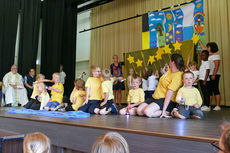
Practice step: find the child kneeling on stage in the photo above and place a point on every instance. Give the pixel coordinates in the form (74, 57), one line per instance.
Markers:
(77, 96)
(107, 87)
(189, 100)
(93, 92)
(135, 97)
(57, 91)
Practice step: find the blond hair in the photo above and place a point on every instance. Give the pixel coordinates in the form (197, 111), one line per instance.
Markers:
(56, 74)
(111, 142)
(36, 143)
(93, 67)
(40, 76)
(136, 78)
(106, 73)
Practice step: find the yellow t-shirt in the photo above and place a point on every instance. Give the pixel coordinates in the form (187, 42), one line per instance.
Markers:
(107, 86)
(79, 99)
(172, 81)
(35, 91)
(95, 88)
(56, 96)
(192, 96)
(136, 95)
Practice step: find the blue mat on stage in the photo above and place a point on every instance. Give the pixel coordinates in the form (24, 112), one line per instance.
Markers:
(67, 115)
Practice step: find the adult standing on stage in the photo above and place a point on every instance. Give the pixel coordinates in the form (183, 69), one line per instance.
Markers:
(14, 90)
(62, 75)
(29, 80)
(163, 99)
(118, 86)
(214, 74)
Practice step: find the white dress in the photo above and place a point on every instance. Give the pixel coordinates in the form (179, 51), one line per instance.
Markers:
(14, 96)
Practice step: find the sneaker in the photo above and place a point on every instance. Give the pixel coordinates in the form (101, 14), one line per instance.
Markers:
(205, 108)
(217, 108)
(114, 109)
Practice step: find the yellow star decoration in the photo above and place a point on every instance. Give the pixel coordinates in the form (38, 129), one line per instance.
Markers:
(177, 45)
(151, 59)
(167, 49)
(195, 38)
(158, 57)
(139, 63)
(160, 51)
(130, 59)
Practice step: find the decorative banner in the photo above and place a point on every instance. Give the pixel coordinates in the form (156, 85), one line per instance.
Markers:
(156, 58)
(167, 27)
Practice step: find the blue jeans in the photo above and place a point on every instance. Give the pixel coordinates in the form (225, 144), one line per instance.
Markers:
(52, 104)
(190, 111)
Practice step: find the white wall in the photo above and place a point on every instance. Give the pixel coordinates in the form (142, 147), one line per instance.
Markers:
(83, 44)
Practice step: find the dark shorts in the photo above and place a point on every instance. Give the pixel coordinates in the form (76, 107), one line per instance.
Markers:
(160, 103)
(187, 111)
(90, 106)
(213, 86)
(119, 85)
(150, 93)
(107, 105)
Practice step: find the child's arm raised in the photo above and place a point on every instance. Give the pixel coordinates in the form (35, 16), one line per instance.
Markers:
(202, 45)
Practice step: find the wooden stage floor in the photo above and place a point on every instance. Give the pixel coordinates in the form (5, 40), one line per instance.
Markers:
(205, 130)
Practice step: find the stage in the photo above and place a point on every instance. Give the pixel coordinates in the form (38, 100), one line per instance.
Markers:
(142, 134)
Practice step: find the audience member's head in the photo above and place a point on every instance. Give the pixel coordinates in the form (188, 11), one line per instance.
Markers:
(110, 142)
(224, 143)
(36, 143)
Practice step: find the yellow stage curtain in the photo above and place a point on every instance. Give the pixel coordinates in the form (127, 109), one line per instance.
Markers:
(126, 36)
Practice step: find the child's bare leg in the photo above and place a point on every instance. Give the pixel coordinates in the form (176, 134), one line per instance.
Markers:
(141, 108)
(123, 111)
(119, 97)
(47, 108)
(195, 117)
(133, 111)
(96, 110)
(104, 112)
(176, 114)
(152, 110)
(115, 97)
(56, 108)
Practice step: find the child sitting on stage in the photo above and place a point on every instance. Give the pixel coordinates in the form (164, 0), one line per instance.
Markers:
(135, 97)
(77, 96)
(189, 100)
(36, 92)
(36, 143)
(93, 92)
(107, 88)
(57, 91)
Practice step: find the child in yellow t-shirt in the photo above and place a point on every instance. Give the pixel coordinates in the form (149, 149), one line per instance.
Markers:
(189, 99)
(107, 88)
(57, 91)
(77, 96)
(93, 92)
(36, 92)
(136, 96)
